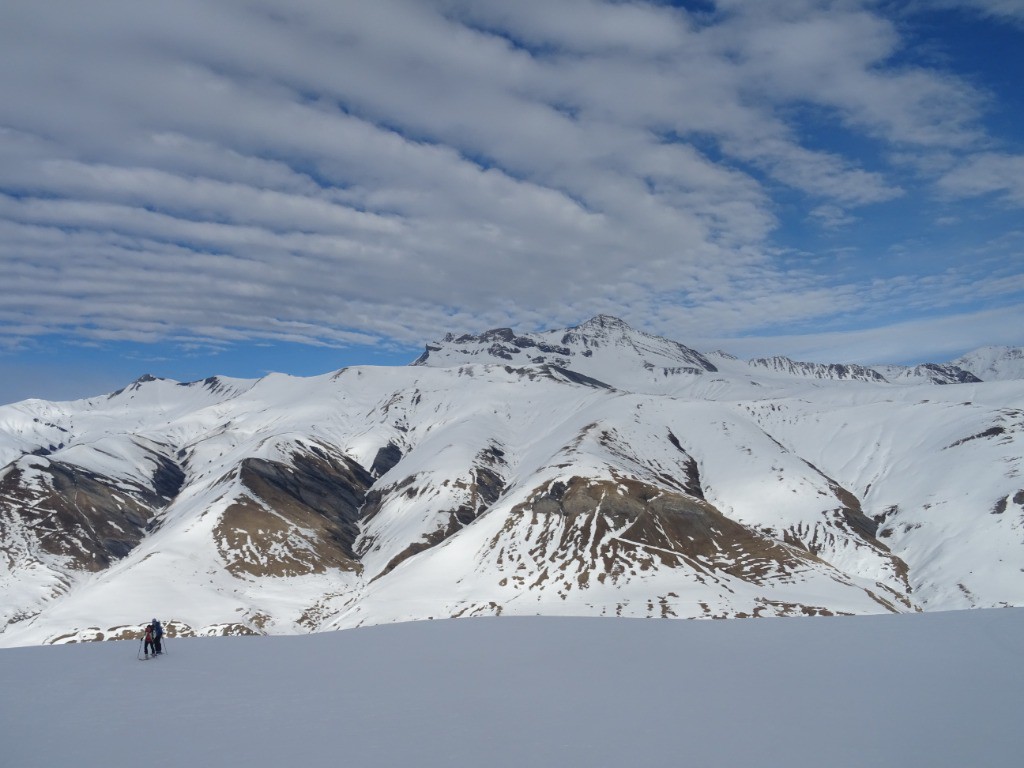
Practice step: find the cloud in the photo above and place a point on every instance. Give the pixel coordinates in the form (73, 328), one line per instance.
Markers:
(837, 55)
(832, 217)
(995, 173)
(929, 339)
(1003, 10)
(347, 173)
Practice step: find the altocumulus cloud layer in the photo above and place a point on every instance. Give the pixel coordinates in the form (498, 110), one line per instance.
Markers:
(335, 172)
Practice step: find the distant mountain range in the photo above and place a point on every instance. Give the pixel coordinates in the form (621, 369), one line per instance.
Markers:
(595, 470)
(601, 345)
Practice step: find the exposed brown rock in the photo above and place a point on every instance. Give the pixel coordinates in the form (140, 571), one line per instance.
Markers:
(90, 519)
(301, 517)
(610, 528)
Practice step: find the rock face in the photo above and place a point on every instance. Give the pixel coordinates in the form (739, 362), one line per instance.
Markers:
(604, 348)
(833, 371)
(296, 517)
(79, 516)
(595, 470)
(938, 374)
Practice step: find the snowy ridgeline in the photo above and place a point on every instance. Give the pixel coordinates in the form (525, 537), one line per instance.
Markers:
(594, 471)
(943, 689)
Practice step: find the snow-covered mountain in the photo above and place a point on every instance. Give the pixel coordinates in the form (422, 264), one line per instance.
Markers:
(597, 470)
(934, 373)
(834, 371)
(604, 348)
(607, 349)
(994, 363)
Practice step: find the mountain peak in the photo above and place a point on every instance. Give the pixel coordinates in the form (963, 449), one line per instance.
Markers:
(146, 378)
(604, 348)
(603, 322)
(993, 363)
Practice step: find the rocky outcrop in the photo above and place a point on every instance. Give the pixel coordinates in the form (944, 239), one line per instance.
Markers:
(938, 374)
(833, 371)
(85, 518)
(295, 518)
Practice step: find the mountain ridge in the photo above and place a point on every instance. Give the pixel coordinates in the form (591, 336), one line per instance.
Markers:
(573, 346)
(619, 482)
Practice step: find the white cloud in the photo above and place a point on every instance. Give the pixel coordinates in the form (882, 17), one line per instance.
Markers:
(832, 217)
(338, 172)
(929, 339)
(1003, 10)
(987, 173)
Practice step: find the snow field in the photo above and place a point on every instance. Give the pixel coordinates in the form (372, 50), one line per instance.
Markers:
(935, 690)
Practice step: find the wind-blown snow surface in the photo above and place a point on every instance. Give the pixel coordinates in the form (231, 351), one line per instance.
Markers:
(943, 689)
(606, 473)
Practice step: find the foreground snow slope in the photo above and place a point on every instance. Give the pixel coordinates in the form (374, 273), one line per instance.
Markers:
(942, 689)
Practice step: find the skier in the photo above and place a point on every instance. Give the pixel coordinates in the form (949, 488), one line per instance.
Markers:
(158, 633)
(149, 645)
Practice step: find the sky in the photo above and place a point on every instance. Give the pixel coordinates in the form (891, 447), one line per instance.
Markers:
(192, 188)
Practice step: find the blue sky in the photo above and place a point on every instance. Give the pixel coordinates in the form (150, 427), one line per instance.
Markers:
(192, 188)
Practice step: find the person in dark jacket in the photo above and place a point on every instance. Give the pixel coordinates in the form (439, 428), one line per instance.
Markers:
(158, 634)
